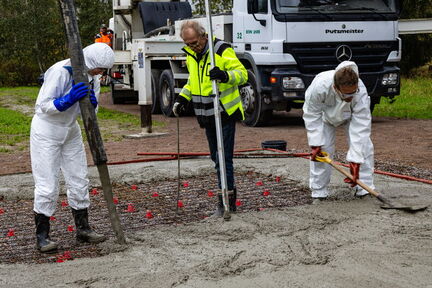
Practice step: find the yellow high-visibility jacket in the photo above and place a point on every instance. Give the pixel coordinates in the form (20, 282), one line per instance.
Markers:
(199, 86)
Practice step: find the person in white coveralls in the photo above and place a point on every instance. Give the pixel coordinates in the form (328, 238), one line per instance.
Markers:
(56, 144)
(339, 98)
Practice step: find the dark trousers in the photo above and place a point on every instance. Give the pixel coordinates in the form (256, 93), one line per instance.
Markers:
(228, 131)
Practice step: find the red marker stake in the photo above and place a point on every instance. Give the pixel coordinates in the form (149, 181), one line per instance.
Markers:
(149, 215)
(130, 208)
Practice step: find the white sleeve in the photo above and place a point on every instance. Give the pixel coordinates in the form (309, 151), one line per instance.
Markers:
(360, 126)
(96, 89)
(313, 114)
(56, 85)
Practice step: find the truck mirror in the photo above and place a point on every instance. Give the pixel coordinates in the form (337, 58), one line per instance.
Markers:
(252, 6)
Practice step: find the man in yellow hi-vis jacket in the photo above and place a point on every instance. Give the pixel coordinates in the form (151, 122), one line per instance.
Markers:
(230, 73)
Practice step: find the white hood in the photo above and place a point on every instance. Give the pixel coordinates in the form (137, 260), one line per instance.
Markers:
(98, 55)
(349, 64)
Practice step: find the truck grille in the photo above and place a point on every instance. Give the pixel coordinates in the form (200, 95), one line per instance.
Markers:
(317, 57)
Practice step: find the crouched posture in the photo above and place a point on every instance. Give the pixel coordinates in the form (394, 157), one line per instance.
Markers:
(56, 144)
(338, 97)
(230, 73)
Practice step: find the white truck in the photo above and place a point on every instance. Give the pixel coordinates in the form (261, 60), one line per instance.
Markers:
(282, 43)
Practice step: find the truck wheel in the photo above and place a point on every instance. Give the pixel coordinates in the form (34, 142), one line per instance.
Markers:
(374, 101)
(155, 92)
(372, 107)
(116, 96)
(252, 102)
(167, 94)
(123, 96)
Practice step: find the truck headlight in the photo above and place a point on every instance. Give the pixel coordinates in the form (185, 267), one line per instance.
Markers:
(390, 79)
(292, 83)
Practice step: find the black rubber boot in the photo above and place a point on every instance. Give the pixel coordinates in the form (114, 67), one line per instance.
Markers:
(83, 231)
(232, 199)
(43, 242)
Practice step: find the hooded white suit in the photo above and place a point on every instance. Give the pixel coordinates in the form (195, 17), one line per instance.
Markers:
(324, 110)
(55, 137)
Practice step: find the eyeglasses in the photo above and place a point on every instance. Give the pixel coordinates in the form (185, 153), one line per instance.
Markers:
(348, 95)
(195, 43)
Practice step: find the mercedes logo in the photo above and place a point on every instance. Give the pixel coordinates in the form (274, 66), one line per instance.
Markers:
(343, 53)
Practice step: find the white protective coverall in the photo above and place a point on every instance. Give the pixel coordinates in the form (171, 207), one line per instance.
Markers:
(55, 137)
(324, 110)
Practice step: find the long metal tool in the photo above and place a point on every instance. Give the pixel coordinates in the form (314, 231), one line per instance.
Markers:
(219, 134)
(324, 157)
(178, 163)
(88, 114)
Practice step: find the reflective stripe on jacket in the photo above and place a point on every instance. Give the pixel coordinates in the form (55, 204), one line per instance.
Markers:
(199, 86)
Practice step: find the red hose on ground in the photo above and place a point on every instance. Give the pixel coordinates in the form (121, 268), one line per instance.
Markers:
(405, 177)
(142, 160)
(279, 152)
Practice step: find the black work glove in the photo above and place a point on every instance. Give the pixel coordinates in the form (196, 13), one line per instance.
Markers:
(178, 108)
(217, 74)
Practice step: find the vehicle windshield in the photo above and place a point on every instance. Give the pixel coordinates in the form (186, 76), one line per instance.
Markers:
(336, 7)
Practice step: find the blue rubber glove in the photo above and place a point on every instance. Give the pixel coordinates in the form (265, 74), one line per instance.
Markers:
(93, 99)
(77, 92)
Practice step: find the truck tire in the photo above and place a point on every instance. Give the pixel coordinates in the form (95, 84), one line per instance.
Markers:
(117, 95)
(252, 102)
(374, 101)
(123, 96)
(155, 92)
(372, 106)
(166, 92)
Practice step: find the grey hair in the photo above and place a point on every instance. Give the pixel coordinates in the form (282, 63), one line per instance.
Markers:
(194, 25)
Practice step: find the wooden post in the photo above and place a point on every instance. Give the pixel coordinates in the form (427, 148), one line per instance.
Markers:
(88, 114)
(146, 119)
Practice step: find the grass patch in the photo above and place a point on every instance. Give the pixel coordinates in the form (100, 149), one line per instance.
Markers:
(414, 102)
(19, 95)
(16, 111)
(105, 89)
(123, 119)
(14, 127)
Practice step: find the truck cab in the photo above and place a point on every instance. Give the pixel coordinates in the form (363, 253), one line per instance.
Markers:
(284, 44)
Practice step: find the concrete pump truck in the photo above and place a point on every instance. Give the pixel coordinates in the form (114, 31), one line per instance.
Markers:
(282, 43)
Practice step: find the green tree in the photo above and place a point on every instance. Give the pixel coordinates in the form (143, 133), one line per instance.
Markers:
(416, 49)
(216, 6)
(33, 39)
